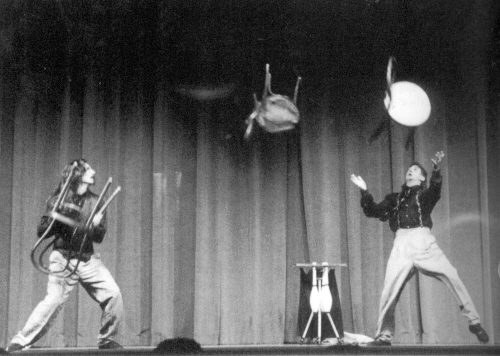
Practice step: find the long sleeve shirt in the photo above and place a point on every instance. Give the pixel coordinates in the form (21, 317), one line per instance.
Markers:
(69, 239)
(407, 209)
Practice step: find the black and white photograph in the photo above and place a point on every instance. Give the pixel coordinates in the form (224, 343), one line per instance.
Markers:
(250, 177)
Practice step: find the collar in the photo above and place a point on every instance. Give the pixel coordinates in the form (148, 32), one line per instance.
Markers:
(79, 199)
(406, 189)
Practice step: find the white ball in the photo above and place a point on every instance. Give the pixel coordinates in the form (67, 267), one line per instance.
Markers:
(408, 104)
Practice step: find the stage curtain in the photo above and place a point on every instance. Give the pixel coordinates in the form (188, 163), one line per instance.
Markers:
(204, 236)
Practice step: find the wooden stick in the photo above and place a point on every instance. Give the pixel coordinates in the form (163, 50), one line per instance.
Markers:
(91, 217)
(117, 190)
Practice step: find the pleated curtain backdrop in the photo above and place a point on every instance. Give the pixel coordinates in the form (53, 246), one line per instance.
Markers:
(204, 236)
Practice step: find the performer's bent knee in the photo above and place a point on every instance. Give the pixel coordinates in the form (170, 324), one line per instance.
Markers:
(55, 298)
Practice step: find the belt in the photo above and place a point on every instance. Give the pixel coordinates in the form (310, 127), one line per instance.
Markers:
(70, 254)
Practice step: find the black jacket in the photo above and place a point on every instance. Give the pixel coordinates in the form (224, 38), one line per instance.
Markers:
(67, 238)
(410, 208)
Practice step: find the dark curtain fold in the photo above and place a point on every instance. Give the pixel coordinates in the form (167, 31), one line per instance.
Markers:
(204, 237)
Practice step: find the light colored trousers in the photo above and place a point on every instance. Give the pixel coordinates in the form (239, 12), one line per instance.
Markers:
(99, 284)
(416, 249)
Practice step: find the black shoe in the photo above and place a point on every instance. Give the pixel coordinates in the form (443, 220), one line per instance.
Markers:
(478, 330)
(15, 347)
(379, 342)
(110, 345)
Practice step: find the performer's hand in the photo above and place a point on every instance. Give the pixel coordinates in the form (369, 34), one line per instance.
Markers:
(97, 219)
(439, 156)
(358, 181)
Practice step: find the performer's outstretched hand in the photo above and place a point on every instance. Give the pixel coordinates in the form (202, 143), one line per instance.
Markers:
(439, 156)
(97, 219)
(358, 181)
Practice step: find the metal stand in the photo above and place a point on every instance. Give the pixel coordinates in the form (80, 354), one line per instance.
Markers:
(321, 298)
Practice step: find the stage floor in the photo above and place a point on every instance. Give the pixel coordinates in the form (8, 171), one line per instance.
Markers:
(287, 349)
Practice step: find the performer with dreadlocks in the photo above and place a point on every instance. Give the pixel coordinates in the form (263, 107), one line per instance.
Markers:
(415, 248)
(91, 272)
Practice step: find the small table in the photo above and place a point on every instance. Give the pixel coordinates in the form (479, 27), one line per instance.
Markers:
(320, 299)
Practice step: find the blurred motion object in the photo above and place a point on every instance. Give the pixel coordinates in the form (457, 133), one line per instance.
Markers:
(274, 113)
(406, 102)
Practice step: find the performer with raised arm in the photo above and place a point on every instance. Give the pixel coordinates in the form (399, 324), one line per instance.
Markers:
(415, 248)
(74, 230)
